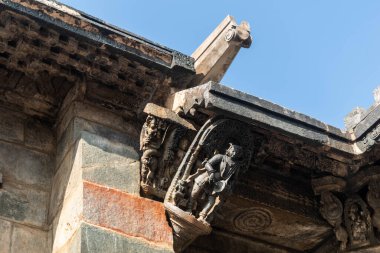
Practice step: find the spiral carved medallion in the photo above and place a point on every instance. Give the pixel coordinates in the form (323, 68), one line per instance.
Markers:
(253, 220)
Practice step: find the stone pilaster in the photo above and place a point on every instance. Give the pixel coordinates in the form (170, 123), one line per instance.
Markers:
(95, 204)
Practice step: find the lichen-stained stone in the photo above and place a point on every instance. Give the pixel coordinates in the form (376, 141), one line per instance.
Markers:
(11, 127)
(101, 240)
(24, 205)
(39, 136)
(127, 214)
(5, 236)
(29, 240)
(25, 166)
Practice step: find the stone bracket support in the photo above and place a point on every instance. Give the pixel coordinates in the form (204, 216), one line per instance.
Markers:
(205, 179)
(164, 139)
(351, 206)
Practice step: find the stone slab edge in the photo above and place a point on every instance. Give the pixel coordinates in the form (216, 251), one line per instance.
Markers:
(165, 113)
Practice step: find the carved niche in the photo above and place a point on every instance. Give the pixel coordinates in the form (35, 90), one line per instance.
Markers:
(358, 222)
(163, 146)
(206, 177)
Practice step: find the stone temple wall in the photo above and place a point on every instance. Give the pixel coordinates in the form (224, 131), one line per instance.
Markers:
(26, 162)
(74, 186)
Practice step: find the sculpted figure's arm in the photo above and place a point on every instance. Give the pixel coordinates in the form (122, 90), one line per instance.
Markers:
(212, 166)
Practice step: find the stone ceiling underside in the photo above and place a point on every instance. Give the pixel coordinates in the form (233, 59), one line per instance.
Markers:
(45, 50)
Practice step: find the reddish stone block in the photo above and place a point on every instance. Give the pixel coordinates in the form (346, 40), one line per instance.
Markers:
(126, 213)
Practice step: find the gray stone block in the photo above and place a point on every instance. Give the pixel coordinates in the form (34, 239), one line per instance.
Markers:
(112, 164)
(28, 240)
(24, 205)
(11, 127)
(122, 177)
(39, 136)
(111, 242)
(5, 236)
(100, 150)
(78, 126)
(25, 166)
(63, 181)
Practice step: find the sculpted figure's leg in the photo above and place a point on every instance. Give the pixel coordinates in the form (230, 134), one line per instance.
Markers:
(152, 169)
(193, 198)
(208, 206)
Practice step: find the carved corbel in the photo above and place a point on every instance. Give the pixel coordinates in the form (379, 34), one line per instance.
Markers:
(349, 215)
(332, 211)
(160, 143)
(205, 179)
(358, 222)
(373, 200)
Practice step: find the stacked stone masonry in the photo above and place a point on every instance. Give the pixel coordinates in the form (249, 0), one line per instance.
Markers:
(112, 143)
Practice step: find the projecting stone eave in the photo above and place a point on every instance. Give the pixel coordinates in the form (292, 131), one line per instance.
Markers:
(86, 26)
(47, 48)
(218, 99)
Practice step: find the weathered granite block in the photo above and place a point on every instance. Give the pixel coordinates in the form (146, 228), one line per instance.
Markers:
(68, 219)
(28, 240)
(78, 125)
(39, 136)
(96, 115)
(102, 240)
(25, 166)
(5, 236)
(11, 127)
(67, 178)
(73, 245)
(25, 205)
(128, 214)
(110, 164)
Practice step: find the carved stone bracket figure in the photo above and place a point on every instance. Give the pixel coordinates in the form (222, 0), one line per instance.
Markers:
(358, 222)
(159, 142)
(332, 211)
(205, 179)
(373, 200)
(353, 222)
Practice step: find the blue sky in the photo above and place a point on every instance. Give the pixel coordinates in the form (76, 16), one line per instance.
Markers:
(321, 58)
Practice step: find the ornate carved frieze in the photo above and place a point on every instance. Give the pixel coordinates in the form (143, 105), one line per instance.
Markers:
(370, 138)
(162, 149)
(221, 151)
